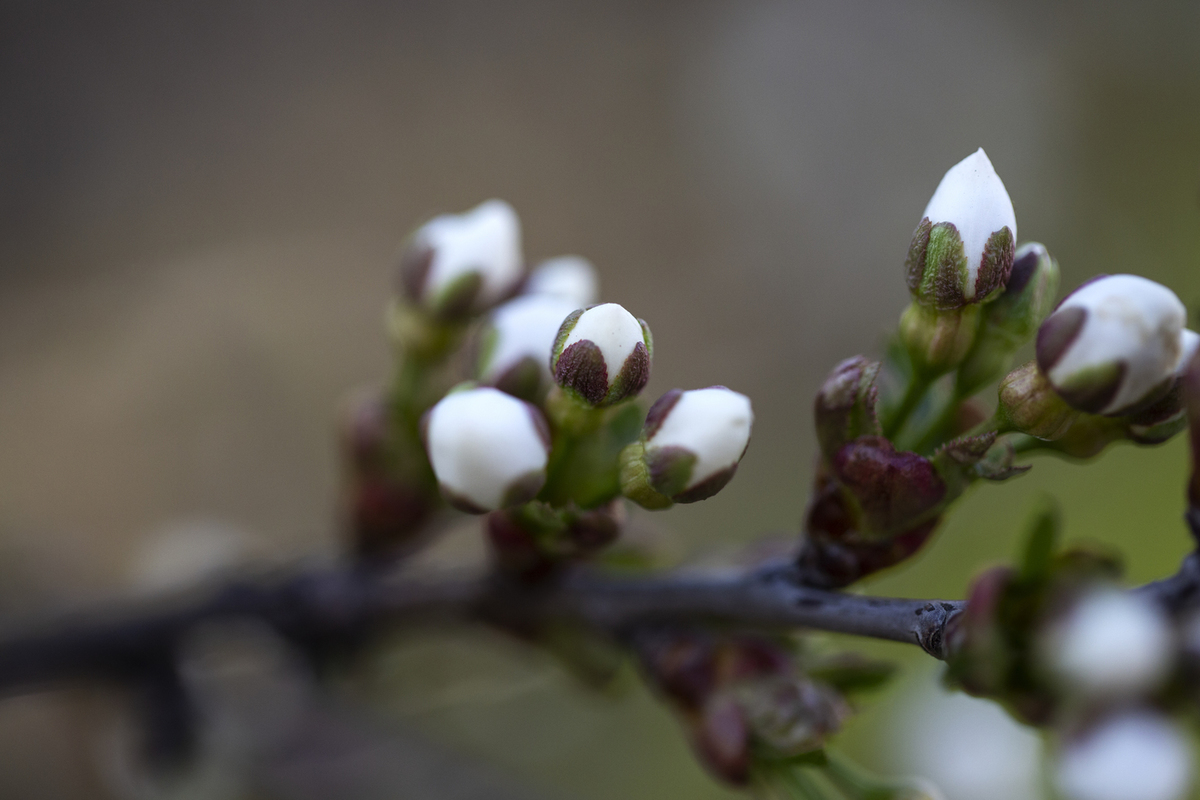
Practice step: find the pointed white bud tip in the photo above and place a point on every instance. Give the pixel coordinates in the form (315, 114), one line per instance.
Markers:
(962, 250)
(488, 449)
(1113, 344)
(694, 441)
(602, 354)
(1137, 755)
(572, 278)
(515, 343)
(457, 264)
(1111, 643)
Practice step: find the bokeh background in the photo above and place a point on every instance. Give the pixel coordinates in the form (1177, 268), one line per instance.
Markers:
(199, 208)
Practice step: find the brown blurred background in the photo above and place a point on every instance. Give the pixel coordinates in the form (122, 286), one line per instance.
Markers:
(200, 202)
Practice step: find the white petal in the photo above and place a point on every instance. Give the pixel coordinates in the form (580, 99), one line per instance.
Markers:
(1135, 756)
(712, 423)
(1112, 642)
(480, 442)
(613, 329)
(525, 327)
(1130, 319)
(569, 277)
(486, 239)
(1189, 340)
(973, 198)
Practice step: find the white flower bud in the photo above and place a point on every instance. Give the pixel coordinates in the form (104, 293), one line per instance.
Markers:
(962, 250)
(1111, 643)
(569, 277)
(602, 354)
(488, 449)
(1113, 344)
(515, 343)
(1137, 755)
(692, 443)
(457, 264)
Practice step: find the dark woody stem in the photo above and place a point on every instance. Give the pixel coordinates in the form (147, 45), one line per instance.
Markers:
(335, 608)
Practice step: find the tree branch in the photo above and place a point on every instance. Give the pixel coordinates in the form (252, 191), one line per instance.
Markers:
(334, 607)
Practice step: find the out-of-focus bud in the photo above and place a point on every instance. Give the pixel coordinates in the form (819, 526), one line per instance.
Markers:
(602, 355)
(572, 278)
(488, 449)
(791, 714)
(690, 447)
(515, 344)
(1110, 643)
(1134, 755)
(1113, 344)
(460, 264)
(938, 341)
(386, 498)
(962, 250)
(1012, 318)
(1029, 404)
(722, 738)
(1191, 403)
(844, 408)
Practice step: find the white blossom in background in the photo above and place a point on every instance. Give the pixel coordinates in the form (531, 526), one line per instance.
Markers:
(970, 748)
(1113, 343)
(1110, 642)
(962, 250)
(460, 263)
(487, 449)
(694, 440)
(516, 342)
(602, 354)
(1136, 755)
(572, 278)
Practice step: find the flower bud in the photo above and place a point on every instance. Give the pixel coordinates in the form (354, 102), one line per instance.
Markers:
(1110, 643)
(844, 408)
(516, 341)
(602, 355)
(488, 449)
(962, 250)
(459, 264)
(1029, 404)
(1012, 318)
(1135, 755)
(938, 341)
(572, 278)
(690, 446)
(1113, 344)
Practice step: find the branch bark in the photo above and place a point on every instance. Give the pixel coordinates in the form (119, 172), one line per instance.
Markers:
(333, 607)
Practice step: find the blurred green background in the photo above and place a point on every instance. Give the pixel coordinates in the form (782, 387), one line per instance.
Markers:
(200, 205)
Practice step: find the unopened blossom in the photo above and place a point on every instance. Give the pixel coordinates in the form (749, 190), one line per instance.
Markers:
(516, 341)
(962, 250)
(487, 449)
(1136, 755)
(1114, 343)
(457, 264)
(602, 355)
(572, 278)
(1111, 643)
(691, 443)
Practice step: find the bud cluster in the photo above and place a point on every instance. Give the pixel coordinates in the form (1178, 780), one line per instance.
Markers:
(1062, 646)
